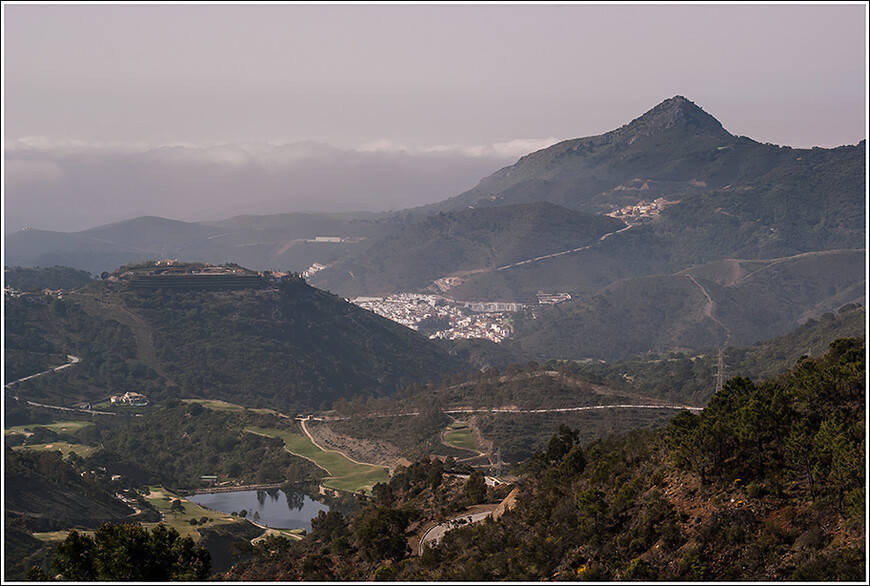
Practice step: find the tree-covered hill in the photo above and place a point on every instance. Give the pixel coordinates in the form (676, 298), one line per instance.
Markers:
(688, 377)
(766, 484)
(462, 242)
(282, 345)
(287, 346)
(736, 303)
(36, 279)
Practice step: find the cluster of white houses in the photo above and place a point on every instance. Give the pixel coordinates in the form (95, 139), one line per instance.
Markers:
(641, 211)
(130, 398)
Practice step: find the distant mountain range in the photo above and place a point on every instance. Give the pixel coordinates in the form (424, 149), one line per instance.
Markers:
(723, 197)
(696, 198)
(281, 242)
(682, 190)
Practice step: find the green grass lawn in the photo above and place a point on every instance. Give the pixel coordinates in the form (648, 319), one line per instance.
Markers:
(162, 499)
(59, 427)
(459, 436)
(217, 405)
(65, 448)
(344, 473)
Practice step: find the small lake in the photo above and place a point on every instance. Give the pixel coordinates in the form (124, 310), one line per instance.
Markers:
(276, 508)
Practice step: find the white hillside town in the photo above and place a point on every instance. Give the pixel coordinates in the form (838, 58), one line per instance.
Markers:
(445, 318)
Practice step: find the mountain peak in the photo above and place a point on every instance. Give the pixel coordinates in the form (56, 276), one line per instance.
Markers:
(674, 112)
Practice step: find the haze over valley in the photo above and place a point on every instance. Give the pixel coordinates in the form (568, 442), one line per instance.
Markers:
(330, 293)
(670, 194)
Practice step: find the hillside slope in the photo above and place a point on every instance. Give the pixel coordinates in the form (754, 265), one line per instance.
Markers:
(697, 194)
(701, 307)
(73, 500)
(690, 377)
(674, 148)
(456, 244)
(766, 484)
(282, 344)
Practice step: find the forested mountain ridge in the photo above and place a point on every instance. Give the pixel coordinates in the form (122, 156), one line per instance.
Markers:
(767, 483)
(36, 279)
(736, 302)
(282, 344)
(104, 248)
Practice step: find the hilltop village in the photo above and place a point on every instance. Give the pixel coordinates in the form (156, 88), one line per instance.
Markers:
(642, 211)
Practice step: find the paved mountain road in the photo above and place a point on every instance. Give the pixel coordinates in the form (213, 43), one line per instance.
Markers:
(555, 254)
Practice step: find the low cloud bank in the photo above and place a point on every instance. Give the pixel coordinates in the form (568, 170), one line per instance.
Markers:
(70, 186)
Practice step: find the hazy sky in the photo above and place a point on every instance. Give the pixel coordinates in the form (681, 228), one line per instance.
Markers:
(460, 82)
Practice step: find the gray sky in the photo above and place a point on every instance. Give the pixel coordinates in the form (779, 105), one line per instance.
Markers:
(459, 82)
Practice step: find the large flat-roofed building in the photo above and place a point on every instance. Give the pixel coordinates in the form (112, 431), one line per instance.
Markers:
(197, 281)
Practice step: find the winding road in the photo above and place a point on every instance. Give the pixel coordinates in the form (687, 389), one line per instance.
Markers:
(434, 535)
(555, 254)
(515, 411)
(73, 360)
